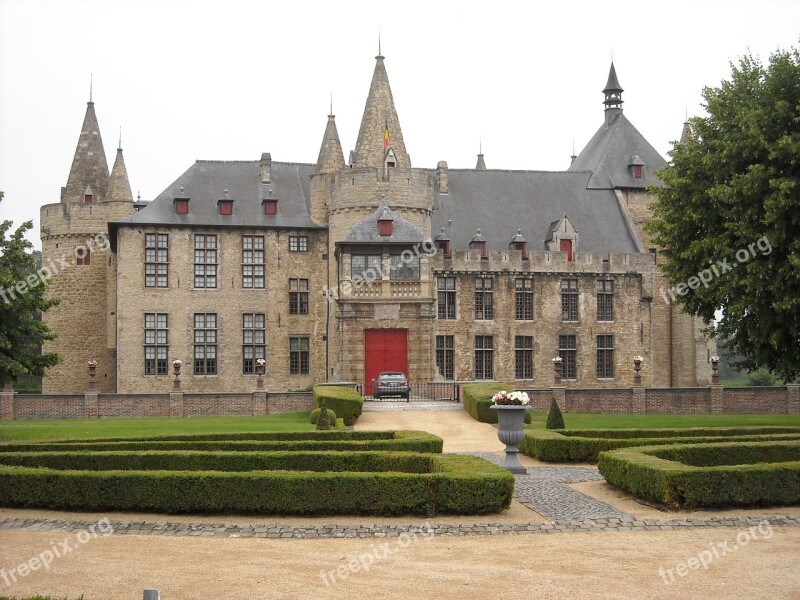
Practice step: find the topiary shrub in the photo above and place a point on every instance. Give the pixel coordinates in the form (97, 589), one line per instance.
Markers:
(345, 402)
(477, 398)
(555, 420)
(323, 423)
(314, 417)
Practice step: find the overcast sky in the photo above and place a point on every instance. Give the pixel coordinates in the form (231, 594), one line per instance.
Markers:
(228, 80)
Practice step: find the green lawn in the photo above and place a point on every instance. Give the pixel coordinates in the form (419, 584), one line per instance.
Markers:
(659, 421)
(64, 429)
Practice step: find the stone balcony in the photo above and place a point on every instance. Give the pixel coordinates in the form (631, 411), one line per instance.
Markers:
(386, 289)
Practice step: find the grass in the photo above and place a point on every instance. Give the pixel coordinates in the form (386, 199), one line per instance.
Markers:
(661, 421)
(72, 429)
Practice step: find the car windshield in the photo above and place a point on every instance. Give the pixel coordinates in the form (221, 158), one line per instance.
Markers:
(392, 376)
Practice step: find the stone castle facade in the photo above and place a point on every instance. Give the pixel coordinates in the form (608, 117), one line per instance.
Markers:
(337, 270)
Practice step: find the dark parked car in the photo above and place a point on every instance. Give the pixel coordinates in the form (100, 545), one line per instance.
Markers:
(391, 383)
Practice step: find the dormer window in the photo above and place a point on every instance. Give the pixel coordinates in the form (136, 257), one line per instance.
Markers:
(385, 227)
(566, 246)
(88, 199)
(181, 206)
(443, 246)
(225, 206)
(635, 166)
(519, 243)
(479, 243)
(270, 206)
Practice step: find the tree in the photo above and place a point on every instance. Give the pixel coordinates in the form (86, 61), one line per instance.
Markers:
(22, 300)
(729, 215)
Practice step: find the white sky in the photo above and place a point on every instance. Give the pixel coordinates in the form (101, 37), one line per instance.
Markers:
(228, 80)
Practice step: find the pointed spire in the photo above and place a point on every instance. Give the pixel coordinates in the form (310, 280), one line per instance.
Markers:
(380, 115)
(89, 165)
(481, 165)
(119, 188)
(613, 91)
(331, 157)
(686, 134)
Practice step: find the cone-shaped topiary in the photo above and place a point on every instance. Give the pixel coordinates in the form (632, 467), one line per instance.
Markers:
(555, 420)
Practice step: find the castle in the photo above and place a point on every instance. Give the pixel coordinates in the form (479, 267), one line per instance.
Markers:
(337, 270)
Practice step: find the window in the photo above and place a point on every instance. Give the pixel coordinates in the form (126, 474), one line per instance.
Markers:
(253, 261)
(445, 356)
(483, 357)
(366, 266)
(385, 227)
(404, 267)
(483, 299)
(567, 350)
(205, 344)
(447, 297)
(225, 207)
(569, 299)
(88, 198)
(524, 299)
(605, 300)
(205, 261)
(523, 357)
(298, 243)
(270, 207)
(605, 356)
(156, 260)
(298, 296)
(566, 246)
(298, 355)
(181, 206)
(253, 341)
(155, 344)
(83, 256)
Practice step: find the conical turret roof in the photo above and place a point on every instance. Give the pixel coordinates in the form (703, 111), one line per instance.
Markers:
(119, 188)
(380, 118)
(331, 157)
(89, 166)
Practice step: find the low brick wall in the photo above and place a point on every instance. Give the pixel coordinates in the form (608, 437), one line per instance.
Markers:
(757, 400)
(175, 404)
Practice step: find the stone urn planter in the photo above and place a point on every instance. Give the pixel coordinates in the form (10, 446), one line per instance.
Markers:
(510, 424)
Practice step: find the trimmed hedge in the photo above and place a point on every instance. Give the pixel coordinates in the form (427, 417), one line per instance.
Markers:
(454, 485)
(314, 417)
(644, 473)
(584, 446)
(411, 441)
(477, 398)
(346, 402)
(405, 462)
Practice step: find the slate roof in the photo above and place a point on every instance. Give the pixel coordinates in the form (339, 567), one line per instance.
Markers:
(502, 202)
(608, 155)
(403, 232)
(204, 183)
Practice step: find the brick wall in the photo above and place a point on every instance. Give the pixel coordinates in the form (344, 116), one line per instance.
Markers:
(679, 400)
(617, 400)
(755, 399)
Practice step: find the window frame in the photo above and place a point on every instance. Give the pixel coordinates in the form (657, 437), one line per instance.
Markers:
(299, 357)
(206, 270)
(484, 299)
(446, 298)
(298, 296)
(156, 260)
(254, 341)
(523, 299)
(569, 300)
(209, 340)
(605, 300)
(253, 262)
(445, 356)
(298, 243)
(568, 351)
(156, 345)
(523, 357)
(372, 264)
(604, 366)
(484, 357)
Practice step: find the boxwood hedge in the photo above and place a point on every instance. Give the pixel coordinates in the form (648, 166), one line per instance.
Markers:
(477, 399)
(452, 485)
(346, 402)
(411, 441)
(585, 445)
(646, 473)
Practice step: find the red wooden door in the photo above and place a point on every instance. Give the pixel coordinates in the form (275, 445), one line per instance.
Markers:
(384, 350)
(566, 246)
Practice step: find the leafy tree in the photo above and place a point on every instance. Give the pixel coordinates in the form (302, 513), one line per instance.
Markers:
(22, 300)
(729, 215)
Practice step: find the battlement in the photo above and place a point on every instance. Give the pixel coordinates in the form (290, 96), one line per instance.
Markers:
(402, 188)
(544, 262)
(64, 219)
